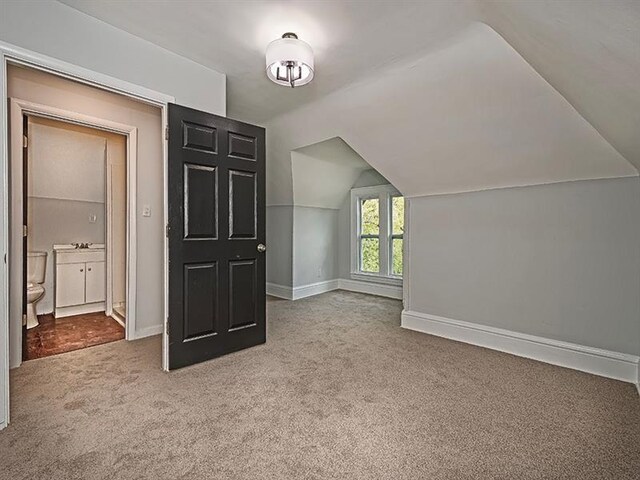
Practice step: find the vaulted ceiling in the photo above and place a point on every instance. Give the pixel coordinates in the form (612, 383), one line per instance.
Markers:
(589, 50)
(545, 91)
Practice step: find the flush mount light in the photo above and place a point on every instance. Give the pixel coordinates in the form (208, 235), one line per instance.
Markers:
(289, 61)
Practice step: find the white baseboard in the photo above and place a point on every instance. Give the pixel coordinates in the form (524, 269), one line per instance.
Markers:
(620, 366)
(62, 312)
(379, 289)
(279, 291)
(148, 331)
(3, 425)
(296, 293)
(314, 289)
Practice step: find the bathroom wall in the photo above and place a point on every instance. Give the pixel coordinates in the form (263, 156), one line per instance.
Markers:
(66, 190)
(117, 181)
(42, 88)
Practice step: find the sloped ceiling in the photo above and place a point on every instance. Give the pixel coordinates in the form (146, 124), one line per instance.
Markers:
(472, 115)
(589, 50)
(351, 39)
(446, 109)
(324, 173)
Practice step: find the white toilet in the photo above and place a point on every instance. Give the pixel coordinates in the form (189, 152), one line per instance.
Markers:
(36, 263)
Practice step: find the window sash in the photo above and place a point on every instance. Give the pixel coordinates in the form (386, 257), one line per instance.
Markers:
(385, 236)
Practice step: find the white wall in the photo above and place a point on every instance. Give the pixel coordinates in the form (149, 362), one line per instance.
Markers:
(315, 245)
(54, 91)
(65, 163)
(279, 227)
(557, 261)
(117, 174)
(56, 30)
(66, 185)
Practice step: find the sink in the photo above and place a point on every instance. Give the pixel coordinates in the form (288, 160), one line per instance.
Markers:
(80, 246)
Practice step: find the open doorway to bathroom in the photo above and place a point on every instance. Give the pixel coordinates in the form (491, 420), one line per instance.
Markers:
(75, 210)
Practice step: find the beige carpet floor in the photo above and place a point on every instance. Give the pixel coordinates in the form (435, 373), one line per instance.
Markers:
(339, 391)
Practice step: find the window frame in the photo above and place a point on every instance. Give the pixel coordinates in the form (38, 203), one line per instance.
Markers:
(384, 194)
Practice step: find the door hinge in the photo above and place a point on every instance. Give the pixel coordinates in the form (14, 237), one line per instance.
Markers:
(168, 325)
(166, 230)
(25, 141)
(24, 319)
(166, 133)
(25, 230)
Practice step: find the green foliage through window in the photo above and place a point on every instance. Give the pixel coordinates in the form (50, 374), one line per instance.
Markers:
(369, 230)
(396, 255)
(381, 224)
(371, 255)
(397, 225)
(397, 215)
(370, 216)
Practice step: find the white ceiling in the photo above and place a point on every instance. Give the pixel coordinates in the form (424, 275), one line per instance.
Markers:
(323, 173)
(351, 39)
(472, 115)
(588, 50)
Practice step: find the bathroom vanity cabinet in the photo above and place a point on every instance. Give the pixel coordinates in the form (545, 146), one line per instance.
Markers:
(80, 284)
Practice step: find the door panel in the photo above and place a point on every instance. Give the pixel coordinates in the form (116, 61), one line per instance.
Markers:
(243, 280)
(70, 284)
(242, 204)
(200, 300)
(95, 282)
(200, 202)
(216, 222)
(242, 146)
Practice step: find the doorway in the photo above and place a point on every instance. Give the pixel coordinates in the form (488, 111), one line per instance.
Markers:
(76, 258)
(74, 251)
(126, 103)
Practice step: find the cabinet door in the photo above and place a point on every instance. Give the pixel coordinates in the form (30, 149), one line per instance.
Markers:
(70, 284)
(95, 283)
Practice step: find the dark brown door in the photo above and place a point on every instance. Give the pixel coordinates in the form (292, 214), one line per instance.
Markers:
(216, 236)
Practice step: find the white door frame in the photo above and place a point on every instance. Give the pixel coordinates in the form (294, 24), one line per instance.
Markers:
(16, 55)
(18, 108)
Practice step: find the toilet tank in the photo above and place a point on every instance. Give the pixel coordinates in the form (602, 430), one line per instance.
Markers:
(36, 263)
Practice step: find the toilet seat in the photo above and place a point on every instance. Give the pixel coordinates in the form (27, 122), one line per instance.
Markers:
(35, 288)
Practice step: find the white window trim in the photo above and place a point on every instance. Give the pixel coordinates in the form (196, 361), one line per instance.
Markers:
(384, 194)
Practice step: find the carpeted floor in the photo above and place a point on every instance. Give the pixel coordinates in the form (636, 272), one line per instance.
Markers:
(339, 391)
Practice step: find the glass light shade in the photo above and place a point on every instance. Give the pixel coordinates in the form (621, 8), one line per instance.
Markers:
(290, 52)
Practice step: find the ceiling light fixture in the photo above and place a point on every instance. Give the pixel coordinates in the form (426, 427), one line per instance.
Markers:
(289, 61)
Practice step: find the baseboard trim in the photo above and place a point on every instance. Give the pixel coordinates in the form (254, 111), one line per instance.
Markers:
(62, 312)
(314, 289)
(3, 425)
(148, 331)
(279, 291)
(379, 289)
(296, 293)
(606, 363)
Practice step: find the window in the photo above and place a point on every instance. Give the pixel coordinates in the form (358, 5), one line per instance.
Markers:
(377, 231)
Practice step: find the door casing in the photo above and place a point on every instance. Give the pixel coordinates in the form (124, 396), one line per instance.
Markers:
(21, 108)
(11, 54)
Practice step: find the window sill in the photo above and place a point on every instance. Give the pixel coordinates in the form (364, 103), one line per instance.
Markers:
(373, 278)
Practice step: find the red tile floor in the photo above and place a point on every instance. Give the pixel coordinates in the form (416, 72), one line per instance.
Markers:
(54, 336)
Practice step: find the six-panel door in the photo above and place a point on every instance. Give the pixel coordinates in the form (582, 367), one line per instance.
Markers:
(216, 223)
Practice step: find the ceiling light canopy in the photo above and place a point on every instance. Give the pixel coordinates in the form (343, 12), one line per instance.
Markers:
(289, 61)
